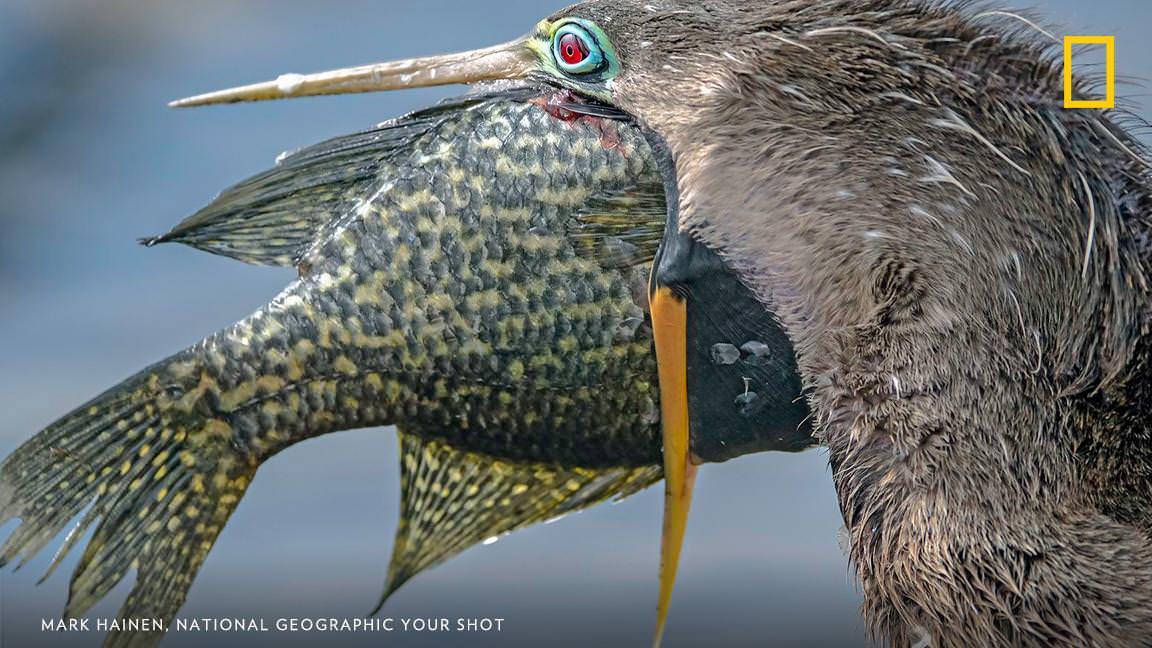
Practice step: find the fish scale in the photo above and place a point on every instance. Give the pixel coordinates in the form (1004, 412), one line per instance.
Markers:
(451, 282)
(373, 308)
(548, 348)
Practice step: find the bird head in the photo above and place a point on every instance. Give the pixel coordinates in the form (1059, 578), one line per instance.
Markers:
(831, 167)
(728, 378)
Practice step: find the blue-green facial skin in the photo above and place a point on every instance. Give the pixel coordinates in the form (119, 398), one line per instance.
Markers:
(592, 75)
(594, 59)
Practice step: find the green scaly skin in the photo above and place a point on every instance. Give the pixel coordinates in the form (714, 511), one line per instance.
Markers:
(452, 300)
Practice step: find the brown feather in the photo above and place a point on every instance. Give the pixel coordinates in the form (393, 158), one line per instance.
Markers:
(962, 267)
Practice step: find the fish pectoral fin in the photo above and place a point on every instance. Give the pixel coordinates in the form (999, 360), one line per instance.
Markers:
(621, 229)
(451, 500)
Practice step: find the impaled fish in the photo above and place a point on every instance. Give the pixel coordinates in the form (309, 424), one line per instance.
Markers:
(452, 499)
(474, 273)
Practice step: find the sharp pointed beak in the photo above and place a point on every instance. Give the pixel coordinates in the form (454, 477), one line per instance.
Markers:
(513, 60)
(669, 328)
(728, 379)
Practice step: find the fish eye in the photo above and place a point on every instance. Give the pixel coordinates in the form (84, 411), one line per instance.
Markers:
(576, 51)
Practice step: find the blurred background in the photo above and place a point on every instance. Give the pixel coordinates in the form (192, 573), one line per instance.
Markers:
(90, 159)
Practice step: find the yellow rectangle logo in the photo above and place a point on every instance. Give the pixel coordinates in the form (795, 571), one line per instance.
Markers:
(1109, 43)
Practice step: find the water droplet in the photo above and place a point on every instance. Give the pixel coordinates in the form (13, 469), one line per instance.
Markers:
(749, 404)
(289, 83)
(626, 329)
(653, 413)
(756, 352)
(725, 354)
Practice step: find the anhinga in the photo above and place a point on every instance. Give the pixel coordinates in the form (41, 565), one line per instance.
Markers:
(883, 224)
(955, 259)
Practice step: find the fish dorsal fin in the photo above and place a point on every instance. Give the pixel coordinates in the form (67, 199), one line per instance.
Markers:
(623, 228)
(274, 217)
(451, 500)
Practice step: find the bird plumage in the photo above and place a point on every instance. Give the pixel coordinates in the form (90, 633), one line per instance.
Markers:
(961, 265)
(957, 263)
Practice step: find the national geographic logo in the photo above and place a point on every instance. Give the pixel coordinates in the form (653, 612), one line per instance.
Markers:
(1109, 43)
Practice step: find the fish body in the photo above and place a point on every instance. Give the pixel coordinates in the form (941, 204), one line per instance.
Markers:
(474, 274)
(458, 297)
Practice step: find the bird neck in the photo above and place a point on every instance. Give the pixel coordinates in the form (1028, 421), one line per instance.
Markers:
(973, 338)
(980, 503)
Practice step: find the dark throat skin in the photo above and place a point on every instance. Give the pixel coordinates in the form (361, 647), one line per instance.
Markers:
(965, 288)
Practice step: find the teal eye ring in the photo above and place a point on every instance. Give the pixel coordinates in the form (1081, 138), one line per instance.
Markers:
(577, 51)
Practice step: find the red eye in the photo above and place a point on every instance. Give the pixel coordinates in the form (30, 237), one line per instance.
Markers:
(573, 51)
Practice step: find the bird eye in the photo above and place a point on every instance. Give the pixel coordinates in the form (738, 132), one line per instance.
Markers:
(575, 50)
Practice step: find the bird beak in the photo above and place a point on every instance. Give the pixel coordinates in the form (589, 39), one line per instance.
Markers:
(513, 60)
(669, 331)
(728, 380)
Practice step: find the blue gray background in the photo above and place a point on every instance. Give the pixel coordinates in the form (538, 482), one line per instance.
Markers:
(90, 159)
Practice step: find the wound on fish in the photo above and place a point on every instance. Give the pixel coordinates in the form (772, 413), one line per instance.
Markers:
(564, 106)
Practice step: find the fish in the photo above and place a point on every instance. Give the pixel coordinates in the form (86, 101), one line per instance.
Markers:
(474, 274)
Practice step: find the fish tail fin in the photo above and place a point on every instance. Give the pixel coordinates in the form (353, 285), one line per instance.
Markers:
(158, 474)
